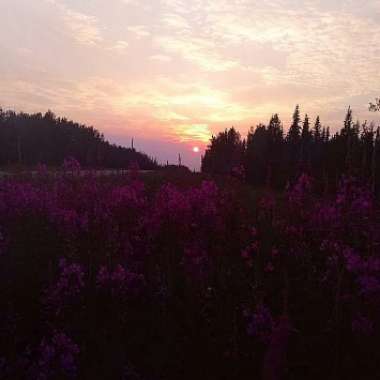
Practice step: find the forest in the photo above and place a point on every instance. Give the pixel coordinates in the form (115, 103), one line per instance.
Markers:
(27, 140)
(269, 156)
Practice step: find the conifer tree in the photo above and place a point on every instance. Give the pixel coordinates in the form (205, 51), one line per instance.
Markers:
(306, 140)
(224, 153)
(323, 136)
(347, 122)
(306, 128)
(294, 133)
(327, 137)
(317, 130)
(347, 133)
(275, 128)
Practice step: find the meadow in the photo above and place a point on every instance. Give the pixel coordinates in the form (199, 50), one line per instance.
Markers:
(158, 276)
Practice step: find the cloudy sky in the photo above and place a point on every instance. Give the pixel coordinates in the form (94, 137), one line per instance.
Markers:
(171, 73)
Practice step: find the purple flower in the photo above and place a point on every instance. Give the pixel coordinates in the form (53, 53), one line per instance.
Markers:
(195, 261)
(68, 287)
(56, 355)
(362, 326)
(260, 324)
(120, 282)
(369, 285)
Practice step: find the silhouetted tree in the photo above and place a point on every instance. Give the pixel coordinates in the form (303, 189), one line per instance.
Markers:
(256, 160)
(317, 129)
(224, 152)
(294, 133)
(293, 143)
(271, 159)
(305, 143)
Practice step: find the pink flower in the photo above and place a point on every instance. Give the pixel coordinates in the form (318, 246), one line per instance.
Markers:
(362, 326)
(260, 324)
(269, 267)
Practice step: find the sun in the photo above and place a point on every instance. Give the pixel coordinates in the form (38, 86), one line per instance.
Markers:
(195, 149)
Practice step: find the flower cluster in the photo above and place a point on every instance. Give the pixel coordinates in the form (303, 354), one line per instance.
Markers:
(68, 287)
(248, 254)
(120, 282)
(56, 356)
(140, 270)
(260, 324)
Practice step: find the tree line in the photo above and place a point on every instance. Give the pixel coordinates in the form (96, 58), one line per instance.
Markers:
(31, 139)
(268, 156)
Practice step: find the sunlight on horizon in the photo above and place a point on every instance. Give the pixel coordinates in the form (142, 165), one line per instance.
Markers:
(172, 73)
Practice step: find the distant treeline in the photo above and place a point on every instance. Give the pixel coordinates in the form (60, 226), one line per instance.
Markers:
(269, 156)
(30, 139)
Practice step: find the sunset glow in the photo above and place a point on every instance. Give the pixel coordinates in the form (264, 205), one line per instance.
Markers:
(189, 189)
(171, 73)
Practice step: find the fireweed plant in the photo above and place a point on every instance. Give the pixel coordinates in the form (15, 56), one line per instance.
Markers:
(106, 278)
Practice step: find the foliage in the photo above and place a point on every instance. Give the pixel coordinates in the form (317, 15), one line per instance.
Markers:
(29, 140)
(225, 153)
(269, 157)
(106, 278)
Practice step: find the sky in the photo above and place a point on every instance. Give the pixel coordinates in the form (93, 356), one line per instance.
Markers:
(171, 73)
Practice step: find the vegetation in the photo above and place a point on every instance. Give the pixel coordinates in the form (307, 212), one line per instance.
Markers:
(268, 156)
(177, 275)
(29, 140)
(113, 278)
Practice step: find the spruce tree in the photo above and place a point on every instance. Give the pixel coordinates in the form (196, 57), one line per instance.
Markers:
(294, 133)
(275, 130)
(306, 128)
(327, 135)
(305, 138)
(323, 137)
(347, 122)
(317, 130)
(347, 136)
